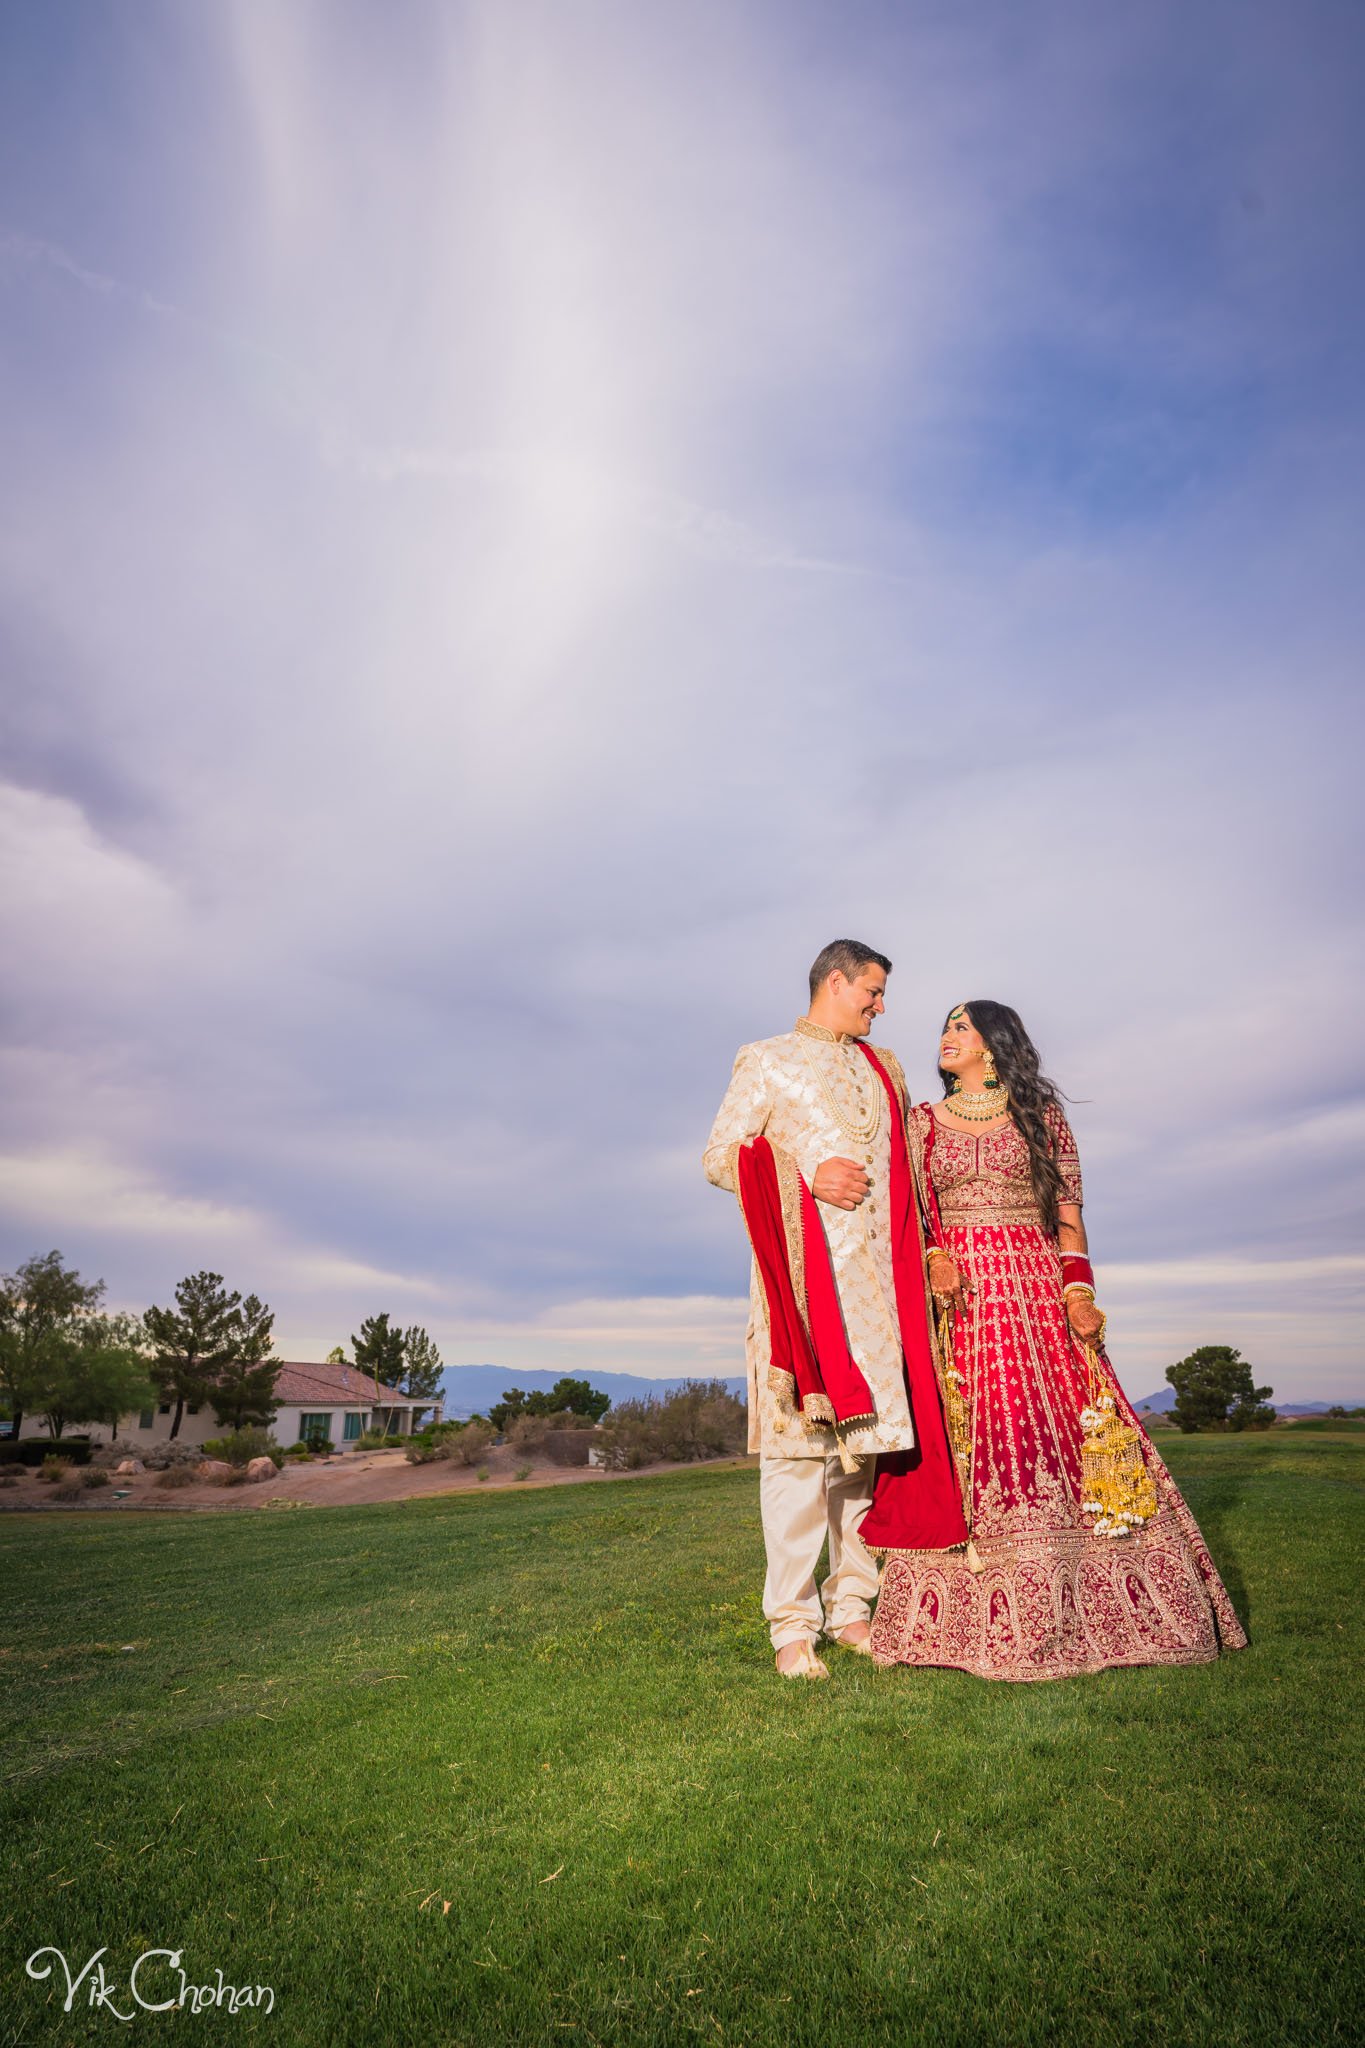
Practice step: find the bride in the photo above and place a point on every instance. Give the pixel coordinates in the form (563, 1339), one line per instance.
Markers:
(1082, 1553)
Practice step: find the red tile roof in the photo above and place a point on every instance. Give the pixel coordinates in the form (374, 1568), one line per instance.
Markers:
(347, 1385)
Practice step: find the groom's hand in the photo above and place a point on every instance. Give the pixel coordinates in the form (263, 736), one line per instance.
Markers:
(840, 1182)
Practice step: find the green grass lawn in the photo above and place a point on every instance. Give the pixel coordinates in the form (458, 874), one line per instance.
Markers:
(515, 1767)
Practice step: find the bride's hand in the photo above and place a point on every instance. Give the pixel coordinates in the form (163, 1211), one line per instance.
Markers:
(1085, 1319)
(945, 1282)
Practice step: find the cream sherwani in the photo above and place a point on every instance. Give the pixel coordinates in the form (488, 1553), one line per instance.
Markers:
(808, 1092)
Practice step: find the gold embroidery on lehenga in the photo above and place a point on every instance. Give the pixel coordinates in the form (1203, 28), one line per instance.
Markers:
(1049, 1600)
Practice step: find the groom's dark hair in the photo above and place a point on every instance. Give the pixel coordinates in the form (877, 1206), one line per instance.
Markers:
(849, 957)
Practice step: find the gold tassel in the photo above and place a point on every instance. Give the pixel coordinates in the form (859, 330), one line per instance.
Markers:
(1117, 1490)
(974, 1562)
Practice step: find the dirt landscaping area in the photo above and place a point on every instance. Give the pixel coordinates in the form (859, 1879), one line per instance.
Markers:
(350, 1480)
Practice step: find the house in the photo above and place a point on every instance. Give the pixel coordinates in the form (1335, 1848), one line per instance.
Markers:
(336, 1401)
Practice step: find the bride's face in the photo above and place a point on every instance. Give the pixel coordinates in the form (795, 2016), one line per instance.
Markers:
(960, 1046)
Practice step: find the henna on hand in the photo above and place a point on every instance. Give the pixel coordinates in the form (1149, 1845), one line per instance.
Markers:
(1085, 1319)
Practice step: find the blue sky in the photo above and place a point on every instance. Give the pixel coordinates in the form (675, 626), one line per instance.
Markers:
(524, 521)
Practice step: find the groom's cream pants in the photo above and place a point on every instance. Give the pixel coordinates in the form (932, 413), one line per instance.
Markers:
(803, 1501)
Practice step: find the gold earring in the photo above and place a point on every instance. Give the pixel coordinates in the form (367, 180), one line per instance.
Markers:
(988, 1062)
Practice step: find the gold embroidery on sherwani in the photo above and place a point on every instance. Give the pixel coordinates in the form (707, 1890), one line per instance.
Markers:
(773, 1091)
(789, 1199)
(895, 1073)
(805, 1029)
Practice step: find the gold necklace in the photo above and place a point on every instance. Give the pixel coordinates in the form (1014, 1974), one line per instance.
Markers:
(861, 1133)
(979, 1106)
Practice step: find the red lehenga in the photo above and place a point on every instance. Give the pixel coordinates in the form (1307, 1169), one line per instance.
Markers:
(1050, 1597)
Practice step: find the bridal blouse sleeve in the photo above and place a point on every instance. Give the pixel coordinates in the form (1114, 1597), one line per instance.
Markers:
(1067, 1156)
(742, 1115)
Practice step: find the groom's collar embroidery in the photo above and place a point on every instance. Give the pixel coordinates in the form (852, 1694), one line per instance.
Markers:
(809, 1030)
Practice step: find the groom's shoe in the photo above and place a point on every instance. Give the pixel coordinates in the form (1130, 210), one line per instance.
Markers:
(798, 1660)
(860, 1644)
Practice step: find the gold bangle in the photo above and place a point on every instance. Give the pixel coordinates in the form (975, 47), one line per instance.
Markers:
(1078, 1287)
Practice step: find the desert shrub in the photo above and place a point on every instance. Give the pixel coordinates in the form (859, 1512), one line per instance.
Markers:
(473, 1441)
(240, 1446)
(437, 1440)
(320, 1447)
(161, 1457)
(427, 1450)
(109, 1455)
(10, 1475)
(175, 1475)
(94, 1475)
(482, 1472)
(54, 1469)
(36, 1450)
(297, 1453)
(528, 1432)
(700, 1419)
(236, 1477)
(523, 1471)
(69, 1490)
(627, 1441)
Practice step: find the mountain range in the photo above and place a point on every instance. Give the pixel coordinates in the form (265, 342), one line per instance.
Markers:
(1162, 1403)
(472, 1389)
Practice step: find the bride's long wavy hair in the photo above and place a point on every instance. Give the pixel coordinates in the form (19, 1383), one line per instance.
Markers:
(1031, 1094)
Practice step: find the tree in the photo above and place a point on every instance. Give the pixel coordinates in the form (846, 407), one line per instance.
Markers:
(336, 1356)
(379, 1350)
(41, 1305)
(243, 1388)
(98, 1374)
(580, 1397)
(1214, 1390)
(191, 1346)
(566, 1397)
(422, 1367)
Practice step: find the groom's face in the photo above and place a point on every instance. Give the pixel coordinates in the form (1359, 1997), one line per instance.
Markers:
(859, 1002)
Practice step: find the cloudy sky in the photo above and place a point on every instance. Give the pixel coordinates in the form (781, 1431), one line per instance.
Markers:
(523, 518)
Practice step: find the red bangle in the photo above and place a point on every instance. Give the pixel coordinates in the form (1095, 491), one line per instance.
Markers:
(1076, 1268)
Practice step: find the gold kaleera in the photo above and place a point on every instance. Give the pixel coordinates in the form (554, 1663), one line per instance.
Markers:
(1117, 1490)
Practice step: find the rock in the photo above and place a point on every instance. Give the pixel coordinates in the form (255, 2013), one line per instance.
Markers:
(128, 1465)
(260, 1468)
(212, 1468)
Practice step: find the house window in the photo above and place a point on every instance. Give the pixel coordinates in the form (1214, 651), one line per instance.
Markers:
(146, 1418)
(352, 1429)
(194, 1408)
(317, 1427)
(164, 1409)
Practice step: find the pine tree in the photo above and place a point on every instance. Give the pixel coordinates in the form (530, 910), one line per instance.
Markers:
(191, 1346)
(379, 1350)
(422, 1367)
(243, 1388)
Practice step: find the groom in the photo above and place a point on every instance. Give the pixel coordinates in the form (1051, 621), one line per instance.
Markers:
(811, 1138)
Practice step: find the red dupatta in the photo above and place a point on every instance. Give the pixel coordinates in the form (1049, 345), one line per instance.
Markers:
(809, 1356)
(917, 1501)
